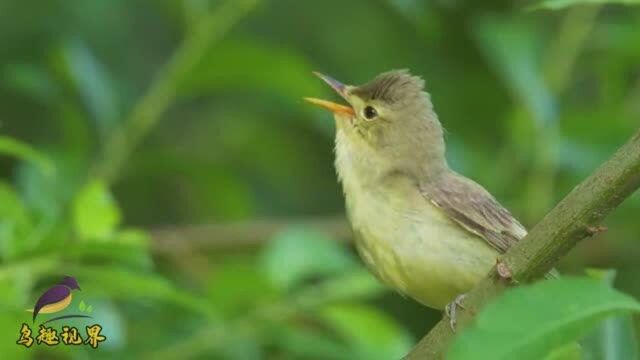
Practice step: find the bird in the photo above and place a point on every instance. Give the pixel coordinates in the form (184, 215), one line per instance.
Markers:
(423, 229)
(56, 298)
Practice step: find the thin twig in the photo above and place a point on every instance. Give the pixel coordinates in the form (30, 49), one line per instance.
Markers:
(201, 238)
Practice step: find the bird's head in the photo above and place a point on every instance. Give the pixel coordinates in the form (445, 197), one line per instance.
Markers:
(391, 116)
(70, 282)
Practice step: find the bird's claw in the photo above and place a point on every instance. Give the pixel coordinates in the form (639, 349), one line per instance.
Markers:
(451, 310)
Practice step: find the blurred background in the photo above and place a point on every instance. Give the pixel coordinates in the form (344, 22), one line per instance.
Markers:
(160, 152)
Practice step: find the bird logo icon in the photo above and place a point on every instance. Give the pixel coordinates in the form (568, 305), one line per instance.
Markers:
(56, 298)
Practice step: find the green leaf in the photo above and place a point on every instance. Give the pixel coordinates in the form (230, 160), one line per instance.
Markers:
(82, 306)
(238, 285)
(606, 276)
(615, 338)
(128, 247)
(529, 322)
(25, 152)
(561, 4)
(95, 213)
(11, 323)
(118, 283)
(307, 343)
(572, 351)
(298, 254)
(49, 195)
(113, 320)
(369, 332)
(93, 84)
(513, 50)
(31, 80)
(242, 347)
(15, 224)
(355, 285)
(289, 72)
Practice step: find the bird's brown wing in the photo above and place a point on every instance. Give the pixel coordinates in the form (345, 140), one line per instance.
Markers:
(473, 208)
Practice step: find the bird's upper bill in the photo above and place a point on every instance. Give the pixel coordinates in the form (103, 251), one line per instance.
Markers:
(340, 88)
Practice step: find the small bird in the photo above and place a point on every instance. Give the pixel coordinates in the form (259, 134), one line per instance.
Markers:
(420, 227)
(56, 298)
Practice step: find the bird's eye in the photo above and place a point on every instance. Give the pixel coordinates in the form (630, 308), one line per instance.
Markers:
(369, 112)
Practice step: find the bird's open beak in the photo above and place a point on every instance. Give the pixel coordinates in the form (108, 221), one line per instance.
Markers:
(329, 105)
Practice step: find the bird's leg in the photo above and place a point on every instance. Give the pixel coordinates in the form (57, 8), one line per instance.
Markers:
(451, 309)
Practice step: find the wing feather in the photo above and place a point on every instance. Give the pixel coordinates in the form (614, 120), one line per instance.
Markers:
(475, 209)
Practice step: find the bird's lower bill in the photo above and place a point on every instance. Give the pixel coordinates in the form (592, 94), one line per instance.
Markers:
(331, 106)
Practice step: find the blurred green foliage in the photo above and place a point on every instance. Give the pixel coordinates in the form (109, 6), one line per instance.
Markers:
(614, 338)
(119, 117)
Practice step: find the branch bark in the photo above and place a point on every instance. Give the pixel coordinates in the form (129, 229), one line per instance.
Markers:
(573, 219)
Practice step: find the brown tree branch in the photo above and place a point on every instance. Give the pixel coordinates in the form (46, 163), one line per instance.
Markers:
(572, 220)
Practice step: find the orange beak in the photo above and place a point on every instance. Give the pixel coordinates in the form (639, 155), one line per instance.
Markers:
(329, 105)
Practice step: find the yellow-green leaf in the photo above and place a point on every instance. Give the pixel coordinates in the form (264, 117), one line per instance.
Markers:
(527, 323)
(95, 213)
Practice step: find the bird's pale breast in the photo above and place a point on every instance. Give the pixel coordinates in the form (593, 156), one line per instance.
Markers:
(407, 242)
